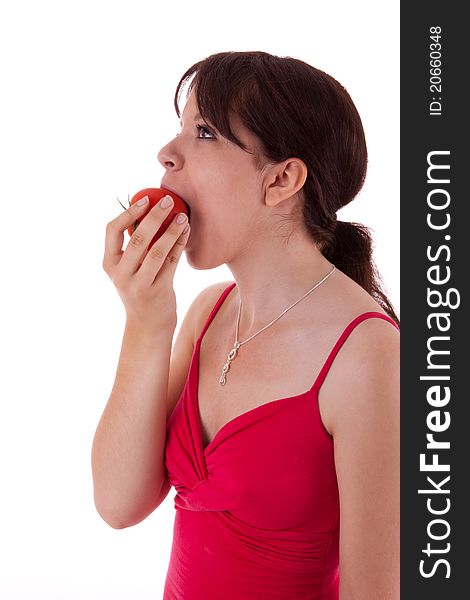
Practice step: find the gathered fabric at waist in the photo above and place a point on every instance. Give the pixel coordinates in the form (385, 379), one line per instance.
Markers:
(217, 556)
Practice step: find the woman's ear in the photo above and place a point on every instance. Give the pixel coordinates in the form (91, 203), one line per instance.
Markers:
(284, 180)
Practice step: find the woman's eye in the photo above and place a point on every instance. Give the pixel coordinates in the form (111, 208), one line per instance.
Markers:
(203, 131)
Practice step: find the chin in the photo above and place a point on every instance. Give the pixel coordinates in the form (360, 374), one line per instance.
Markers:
(201, 263)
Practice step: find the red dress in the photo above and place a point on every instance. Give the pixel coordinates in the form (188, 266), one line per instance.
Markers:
(257, 510)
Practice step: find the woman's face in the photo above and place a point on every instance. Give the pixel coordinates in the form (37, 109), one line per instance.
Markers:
(220, 183)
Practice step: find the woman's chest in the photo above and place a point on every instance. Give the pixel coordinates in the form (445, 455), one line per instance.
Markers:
(279, 365)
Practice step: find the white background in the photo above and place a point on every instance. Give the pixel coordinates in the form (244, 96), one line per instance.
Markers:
(86, 103)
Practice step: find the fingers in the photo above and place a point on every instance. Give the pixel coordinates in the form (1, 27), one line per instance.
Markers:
(136, 259)
(115, 234)
(137, 249)
(163, 257)
(171, 262)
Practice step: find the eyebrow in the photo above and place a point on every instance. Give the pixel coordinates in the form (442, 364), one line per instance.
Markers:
(197, 117)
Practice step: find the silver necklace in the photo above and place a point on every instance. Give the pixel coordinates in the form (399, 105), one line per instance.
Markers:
(234, 351)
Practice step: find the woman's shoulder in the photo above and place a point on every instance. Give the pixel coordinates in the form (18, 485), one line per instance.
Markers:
(205, 302)
(369, 353)
(371, 336)
(367, 343)
(348, 300)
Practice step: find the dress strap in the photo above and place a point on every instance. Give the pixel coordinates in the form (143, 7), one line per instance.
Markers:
(215, 309)
(343, 337)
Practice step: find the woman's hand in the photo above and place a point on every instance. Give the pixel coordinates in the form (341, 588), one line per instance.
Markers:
(144, 279)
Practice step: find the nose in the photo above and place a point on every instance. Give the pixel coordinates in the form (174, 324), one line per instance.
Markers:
(168, 157)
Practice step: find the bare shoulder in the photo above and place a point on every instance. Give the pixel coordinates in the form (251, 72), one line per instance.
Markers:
(205, 302)
(364, 377)
(368, 357)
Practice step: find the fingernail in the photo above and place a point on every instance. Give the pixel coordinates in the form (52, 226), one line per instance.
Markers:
(181, 218)
(166, 201)
(142, 201)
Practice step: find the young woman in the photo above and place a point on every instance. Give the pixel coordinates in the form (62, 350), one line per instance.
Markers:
(275, 416)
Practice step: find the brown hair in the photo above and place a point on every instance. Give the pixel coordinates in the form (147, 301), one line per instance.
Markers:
(297, 110)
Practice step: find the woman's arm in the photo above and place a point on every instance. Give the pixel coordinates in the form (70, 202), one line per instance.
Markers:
(365, 426)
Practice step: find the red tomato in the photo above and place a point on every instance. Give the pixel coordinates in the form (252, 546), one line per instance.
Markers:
(155, 195)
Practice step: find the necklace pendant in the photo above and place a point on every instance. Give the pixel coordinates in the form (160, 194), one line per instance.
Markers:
(231, 356)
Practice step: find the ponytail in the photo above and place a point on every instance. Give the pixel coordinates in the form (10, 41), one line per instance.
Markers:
(350, 250)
